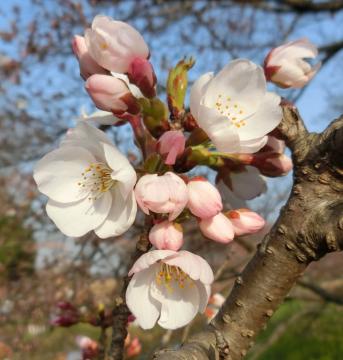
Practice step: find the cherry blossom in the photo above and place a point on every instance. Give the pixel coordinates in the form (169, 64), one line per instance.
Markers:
(234, 107)
(89, 184)
(169, 288)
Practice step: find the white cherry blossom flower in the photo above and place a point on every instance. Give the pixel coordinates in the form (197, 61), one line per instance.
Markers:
(168, 287)
(89, 184)
(234, 107)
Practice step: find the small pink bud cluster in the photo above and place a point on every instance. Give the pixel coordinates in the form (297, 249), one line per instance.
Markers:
(168, 194)
(67, 315)
(114, 46)
(133, 346)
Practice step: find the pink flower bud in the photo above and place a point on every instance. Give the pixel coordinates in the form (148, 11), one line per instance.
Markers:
(170, 145)
(111, 94)
(166, 236)
(114, 44)
(134, 348)
(245, 221)
(285, 66)
(272, 164)
(204, 198)
(142, 74)
(89, 347)
(166, 194)
(66, 315)
(217, 228)
(88, 66)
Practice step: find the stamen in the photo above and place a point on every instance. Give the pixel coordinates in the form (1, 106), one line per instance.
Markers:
(169, 276)
(97, 180)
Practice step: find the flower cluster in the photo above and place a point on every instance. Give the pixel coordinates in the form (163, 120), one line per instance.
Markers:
(230, 128)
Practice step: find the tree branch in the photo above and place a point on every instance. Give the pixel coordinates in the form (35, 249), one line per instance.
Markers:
(309, 226)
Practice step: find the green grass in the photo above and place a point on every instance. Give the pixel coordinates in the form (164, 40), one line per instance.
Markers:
(311, 337)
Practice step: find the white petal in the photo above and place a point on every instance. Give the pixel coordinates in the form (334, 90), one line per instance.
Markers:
(120, 217)
(248, 184)
(267, 118)
(76, 219)
(142, 305)
(133, 88)
(100, 117)
(114, 158)
(194, 265)
(88, 137)
(301, 48)
(252, 146)
(179, 305)
(150, 258)
(122, 169)
(204, 292)
(241, 80)
(58, 173)
(197, 92)
(222, 133)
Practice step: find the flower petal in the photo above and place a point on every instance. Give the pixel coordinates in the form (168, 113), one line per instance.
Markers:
(89, 137)
(58, 173)
(76, 219)
(179, 305)
(122, 169)
(267, 117)
(204, 292)
(241, 80)
(150, 258)
(252, 146)
(142, 305)
(194, 265)
(120, 217)
(197, 92)
(222, 133)
(248, 184)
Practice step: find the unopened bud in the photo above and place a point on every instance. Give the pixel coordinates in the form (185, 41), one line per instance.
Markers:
(177, 85)
(273, 164)
(204, 200)
(142, 74)
(166, 236)
(111, 94)
(245, 221)
(171, 145)
(217, 228)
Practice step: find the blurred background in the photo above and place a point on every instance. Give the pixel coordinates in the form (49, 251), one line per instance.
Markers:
(42, 94)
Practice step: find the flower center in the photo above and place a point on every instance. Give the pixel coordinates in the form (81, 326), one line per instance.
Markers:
(233, 111)
(96, 180)
(169, 276)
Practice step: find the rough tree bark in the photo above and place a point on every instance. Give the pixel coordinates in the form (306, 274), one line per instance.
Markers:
(310, 225)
